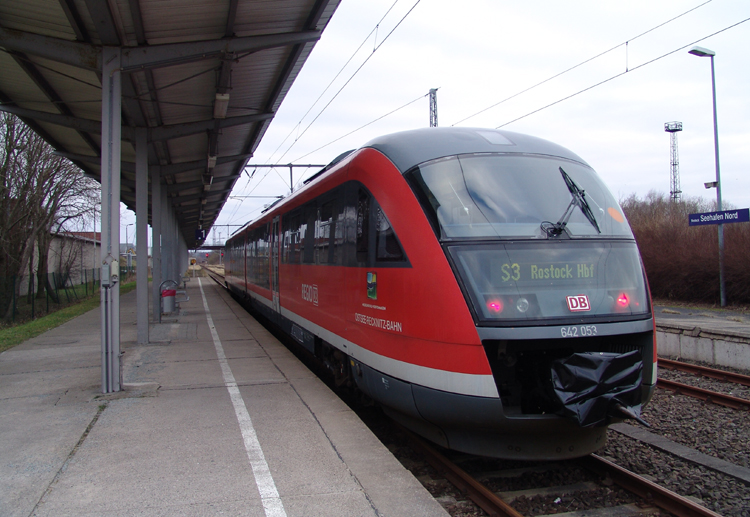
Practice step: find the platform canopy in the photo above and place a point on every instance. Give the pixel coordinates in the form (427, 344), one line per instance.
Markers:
(205, 77)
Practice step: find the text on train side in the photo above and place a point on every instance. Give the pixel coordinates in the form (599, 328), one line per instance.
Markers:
(380, 323)
(310, 293)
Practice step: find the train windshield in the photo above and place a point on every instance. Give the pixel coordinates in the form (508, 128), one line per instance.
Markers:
(516, 196)
(531, 281)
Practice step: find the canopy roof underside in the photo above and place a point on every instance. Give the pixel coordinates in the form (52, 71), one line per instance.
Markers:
(204, 78)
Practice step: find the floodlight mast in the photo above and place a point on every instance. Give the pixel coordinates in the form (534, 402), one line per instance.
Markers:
(433, 108)
(674, 163)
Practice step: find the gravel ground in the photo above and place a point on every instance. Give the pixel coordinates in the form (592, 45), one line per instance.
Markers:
(722, 494)
(713, 430)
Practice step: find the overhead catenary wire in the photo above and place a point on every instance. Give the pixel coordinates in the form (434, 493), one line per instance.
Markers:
(318, 149)
(355, 130)
(683, 47)
(326, 145)
(341, 70)
(581, 63)
(375, 49)
(349, 80)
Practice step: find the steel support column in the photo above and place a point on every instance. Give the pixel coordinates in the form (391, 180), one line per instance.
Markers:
(176, 276)
(166, 237)
(182, 258)
(110, 225)
(156, 274)
(141, 232)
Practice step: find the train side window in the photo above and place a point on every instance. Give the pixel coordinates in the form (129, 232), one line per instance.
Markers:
(339, 231)
(346, 226)
(292, 237)
(286, 243)
(263, 248)
(311, 217)
(250, 258)
(363, 226)
(387, 246)
(301, 230)
(257, 252)
(324, 232)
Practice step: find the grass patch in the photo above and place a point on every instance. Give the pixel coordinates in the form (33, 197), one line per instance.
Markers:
(17, 334)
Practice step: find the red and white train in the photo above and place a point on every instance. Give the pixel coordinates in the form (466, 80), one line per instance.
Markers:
(483, 286)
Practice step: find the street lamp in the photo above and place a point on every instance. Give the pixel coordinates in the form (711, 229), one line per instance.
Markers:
(127, 248)
(704, 52)
(126, 236)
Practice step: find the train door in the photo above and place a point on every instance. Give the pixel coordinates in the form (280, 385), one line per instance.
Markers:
(275, 242)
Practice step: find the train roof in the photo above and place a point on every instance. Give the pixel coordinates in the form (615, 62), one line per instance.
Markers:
(409, 148)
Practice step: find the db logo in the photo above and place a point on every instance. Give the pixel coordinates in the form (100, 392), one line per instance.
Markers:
(579, 302)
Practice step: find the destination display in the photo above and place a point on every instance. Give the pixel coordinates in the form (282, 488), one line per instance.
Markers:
(515, 272)
(740, 215)
(551, 279)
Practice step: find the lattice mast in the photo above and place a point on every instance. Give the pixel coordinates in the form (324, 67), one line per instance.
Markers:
(433, 107)
(674, 162)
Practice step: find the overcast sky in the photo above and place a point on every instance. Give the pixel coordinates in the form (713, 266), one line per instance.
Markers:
(480, 52)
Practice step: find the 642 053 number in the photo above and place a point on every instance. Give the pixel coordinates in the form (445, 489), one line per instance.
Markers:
(579, 331)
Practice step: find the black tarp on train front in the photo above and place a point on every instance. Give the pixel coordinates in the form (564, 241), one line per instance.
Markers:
(591, 385)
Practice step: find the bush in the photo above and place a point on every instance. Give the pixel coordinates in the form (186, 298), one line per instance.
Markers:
(682, 261)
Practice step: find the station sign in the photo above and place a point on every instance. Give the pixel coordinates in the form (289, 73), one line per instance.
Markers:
(740, 215)
(200, 234)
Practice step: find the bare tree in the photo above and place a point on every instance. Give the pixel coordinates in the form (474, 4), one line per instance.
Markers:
(70, 198)
(40, 193)
(14, 203)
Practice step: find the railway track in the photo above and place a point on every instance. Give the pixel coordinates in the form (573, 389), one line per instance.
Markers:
(715, 397)
(215, 273)
(650, 493)
(705, 371)
(705, 395)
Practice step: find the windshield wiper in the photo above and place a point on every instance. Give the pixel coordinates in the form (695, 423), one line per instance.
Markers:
(579, 200)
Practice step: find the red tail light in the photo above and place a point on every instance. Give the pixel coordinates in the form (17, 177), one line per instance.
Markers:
(495, 305)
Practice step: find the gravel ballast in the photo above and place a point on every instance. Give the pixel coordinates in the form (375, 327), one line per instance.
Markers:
(711, 429)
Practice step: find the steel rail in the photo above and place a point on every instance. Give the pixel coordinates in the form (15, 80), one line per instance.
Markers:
(477, 492)
(213, 275)
(650, 491)
(704, 371)
(706, 395)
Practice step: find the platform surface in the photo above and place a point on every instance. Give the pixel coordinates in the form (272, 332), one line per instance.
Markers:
(721, 322)
(227, 422)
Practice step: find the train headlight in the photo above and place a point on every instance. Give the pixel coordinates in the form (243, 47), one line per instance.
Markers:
(522, 305)
(495, 305)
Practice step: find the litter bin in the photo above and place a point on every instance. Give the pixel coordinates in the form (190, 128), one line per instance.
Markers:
(167, 300)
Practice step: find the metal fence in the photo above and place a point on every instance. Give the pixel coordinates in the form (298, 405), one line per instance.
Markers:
(20, 300)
